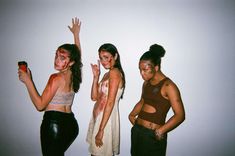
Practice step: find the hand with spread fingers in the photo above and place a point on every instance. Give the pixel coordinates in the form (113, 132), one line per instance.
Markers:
(75, 29)
(76, 25)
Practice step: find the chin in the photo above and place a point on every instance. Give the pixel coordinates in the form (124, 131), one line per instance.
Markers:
(145, 79)
(56, 68)
(106, 67)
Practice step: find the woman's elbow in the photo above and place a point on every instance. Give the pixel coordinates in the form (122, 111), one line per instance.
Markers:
(40, 109)
(182, 118)
(93, 98)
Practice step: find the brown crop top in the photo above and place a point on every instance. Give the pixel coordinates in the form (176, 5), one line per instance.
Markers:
(152, 96)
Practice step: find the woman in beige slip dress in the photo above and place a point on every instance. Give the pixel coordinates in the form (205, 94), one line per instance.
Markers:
(104, 128)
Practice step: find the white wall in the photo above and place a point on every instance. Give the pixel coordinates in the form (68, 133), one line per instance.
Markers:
(197, 35)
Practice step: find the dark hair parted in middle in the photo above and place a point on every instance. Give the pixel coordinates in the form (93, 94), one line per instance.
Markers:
(110, 48)
(155, 53)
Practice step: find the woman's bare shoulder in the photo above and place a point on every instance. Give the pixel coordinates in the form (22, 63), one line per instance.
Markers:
(115, 72)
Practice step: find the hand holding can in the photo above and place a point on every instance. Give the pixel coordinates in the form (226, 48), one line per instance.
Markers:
(23, 65)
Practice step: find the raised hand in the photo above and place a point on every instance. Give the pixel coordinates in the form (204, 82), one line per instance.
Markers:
(96, 69)
(75, 29)
(24, 76)
(76, 25)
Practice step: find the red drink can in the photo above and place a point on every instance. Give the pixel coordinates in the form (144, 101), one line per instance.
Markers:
(23, 65)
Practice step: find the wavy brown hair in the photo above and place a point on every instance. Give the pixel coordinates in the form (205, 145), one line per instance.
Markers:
(75, 55)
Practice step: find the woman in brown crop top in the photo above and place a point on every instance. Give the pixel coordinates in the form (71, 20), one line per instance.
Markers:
(159, 94)
(59, 127)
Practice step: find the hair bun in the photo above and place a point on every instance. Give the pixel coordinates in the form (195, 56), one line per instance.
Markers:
(157, 49)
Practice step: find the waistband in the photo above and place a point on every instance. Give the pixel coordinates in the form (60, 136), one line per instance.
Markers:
(56, 115)
(142, 130)
(147, 130)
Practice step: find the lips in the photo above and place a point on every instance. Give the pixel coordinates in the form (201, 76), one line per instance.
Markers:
(105, 65)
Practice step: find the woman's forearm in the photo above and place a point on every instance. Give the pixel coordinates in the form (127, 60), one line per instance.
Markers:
(172, 123)
(107, 112)
(94, 89)
(134, 113)
(77, 42)
(34, 95)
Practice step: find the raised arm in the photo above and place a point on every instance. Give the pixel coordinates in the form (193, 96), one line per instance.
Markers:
(173, 94)
(75, 29)
(95, 83)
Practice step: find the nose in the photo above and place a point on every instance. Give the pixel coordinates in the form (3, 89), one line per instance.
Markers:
(56, 60)
(142, 73)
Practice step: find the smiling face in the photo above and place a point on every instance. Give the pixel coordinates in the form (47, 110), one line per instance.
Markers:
(62, 61)
(106, 59)
(147, 69)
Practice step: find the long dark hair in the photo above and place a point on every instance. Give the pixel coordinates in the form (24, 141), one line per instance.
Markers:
(75, 55)
(154, 55)
(110, 48)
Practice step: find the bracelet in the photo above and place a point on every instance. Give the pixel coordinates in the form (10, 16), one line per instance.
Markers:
(160, 136)
(135, 120)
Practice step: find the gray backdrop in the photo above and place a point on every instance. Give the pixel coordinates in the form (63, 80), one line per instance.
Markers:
(197, 35)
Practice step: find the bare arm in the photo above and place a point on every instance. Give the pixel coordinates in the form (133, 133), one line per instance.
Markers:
(136, 110)
(75, 29)
(174, 97)
(114, 81)
(39, 101)
(134, 113)
(96, 74)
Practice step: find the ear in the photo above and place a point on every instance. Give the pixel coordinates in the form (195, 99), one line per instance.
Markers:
(116, 56)
(156, 68)
(71, 63)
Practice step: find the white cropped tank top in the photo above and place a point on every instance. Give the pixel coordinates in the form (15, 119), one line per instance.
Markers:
(63, 98)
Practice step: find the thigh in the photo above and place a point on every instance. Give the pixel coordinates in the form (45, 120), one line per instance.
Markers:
(156, 147)
(51, 138)
(137, 143)
(70, 132)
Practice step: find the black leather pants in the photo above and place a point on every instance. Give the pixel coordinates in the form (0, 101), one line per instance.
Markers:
(58, 131)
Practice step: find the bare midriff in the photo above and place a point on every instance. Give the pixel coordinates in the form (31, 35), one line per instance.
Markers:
(147, 124)
(60, 108)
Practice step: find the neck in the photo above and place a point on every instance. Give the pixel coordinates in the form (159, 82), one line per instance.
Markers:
(157, 77)
(65, 71)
